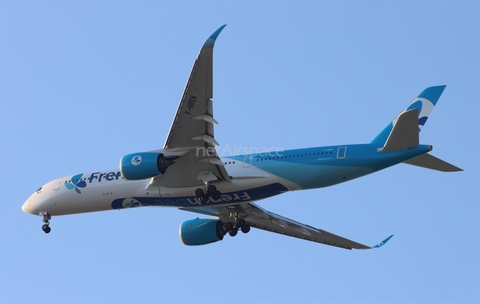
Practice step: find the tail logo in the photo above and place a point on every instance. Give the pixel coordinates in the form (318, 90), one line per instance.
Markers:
(76, 183)
(424, 106)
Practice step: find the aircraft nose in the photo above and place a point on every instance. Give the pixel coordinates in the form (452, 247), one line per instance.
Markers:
(26, 206)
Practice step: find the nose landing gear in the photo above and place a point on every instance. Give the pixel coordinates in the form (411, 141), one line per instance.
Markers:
(46, 219)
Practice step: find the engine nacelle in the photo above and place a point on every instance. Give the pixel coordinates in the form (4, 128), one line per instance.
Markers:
(201, 231)
(144, 165)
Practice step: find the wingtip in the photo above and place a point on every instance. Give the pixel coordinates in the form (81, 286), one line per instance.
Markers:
(383, 242)
(211, 40)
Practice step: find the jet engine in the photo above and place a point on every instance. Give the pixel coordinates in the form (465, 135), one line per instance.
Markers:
(201, 231)
(144, 165)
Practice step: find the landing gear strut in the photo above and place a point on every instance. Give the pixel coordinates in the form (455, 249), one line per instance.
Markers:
(211, 192)
(46, 219)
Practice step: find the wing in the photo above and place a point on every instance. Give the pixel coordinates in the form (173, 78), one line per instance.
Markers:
(260, 218)
(193, 123)
(192, 130)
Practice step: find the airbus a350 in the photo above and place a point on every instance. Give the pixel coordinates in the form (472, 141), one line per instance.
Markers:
(189, 174)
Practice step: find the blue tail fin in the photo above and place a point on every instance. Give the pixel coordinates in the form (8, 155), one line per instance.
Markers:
(425, 102)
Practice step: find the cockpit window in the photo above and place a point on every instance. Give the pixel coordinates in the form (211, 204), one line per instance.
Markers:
(39, 189)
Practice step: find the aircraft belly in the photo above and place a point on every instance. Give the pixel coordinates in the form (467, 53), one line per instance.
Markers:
(332, 175)
(238, 190)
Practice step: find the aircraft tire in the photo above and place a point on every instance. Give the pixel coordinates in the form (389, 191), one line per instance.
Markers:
(46, 228)
(199, 193)
(233, 232)
(204, 198)
(216, 195)
(245, 228)
(211, 189)
(240, 223)
(227, 226)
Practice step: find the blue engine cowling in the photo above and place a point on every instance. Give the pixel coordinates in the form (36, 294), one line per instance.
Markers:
(201, 231)
(144, 165)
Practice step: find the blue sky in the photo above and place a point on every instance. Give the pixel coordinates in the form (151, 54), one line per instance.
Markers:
(83, 84)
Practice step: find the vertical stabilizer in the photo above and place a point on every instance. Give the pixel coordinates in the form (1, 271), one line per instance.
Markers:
(424, 103)
(404, 134)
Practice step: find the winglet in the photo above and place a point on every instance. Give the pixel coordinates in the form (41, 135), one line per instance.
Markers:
(382, 242)
(211, 40)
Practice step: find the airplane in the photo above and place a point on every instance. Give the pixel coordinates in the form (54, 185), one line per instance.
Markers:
(188, 173)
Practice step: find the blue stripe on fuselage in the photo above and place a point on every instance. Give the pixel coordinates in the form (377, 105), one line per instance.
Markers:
(191, 201)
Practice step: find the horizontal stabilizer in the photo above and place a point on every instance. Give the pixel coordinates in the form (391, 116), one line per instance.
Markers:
(404, 134)
(431, 162)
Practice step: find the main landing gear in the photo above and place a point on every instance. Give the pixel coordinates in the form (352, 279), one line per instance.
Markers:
(232, 228)
(46, 219)
(211, 192)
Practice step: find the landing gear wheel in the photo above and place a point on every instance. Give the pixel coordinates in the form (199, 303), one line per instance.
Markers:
(216, 195)
(211, 189)
(240, 223)
(46, 228)
(227, 226)
(245, 228)
(204, 198)
(233, 231)
(199, 193)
